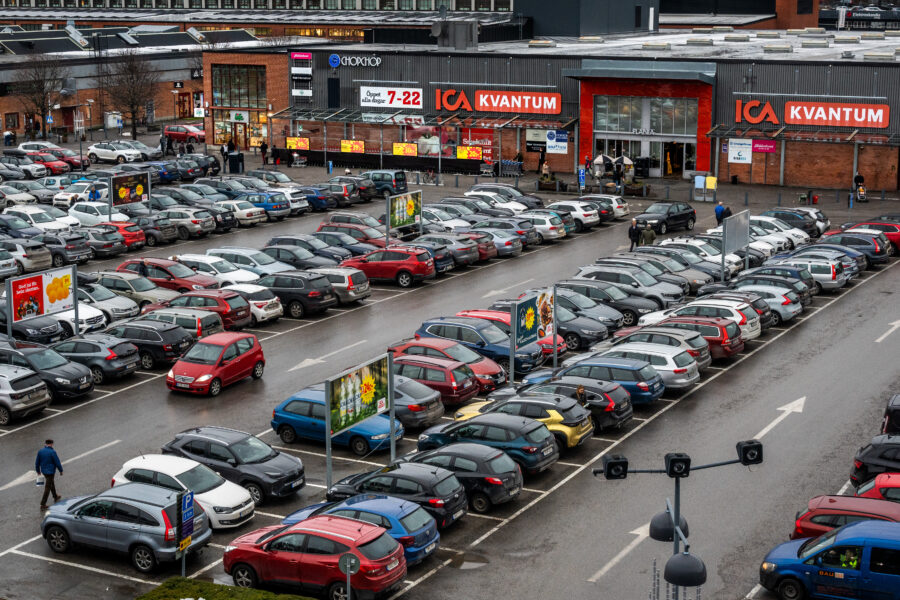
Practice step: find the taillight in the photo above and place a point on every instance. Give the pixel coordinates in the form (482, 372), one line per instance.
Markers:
(107, 245)
(797, 527)
(350, 287)
(493, 480)
(759, 312)
(529, 449)
(833, 273)
(680, 371)
(406, 540)
(612, 404)
(111, 356)
(260, 304)
(167, 347)
(877, 248)
(372, 570)
(453, 381)
(113, 482)
(643, 386)
(858, 464)
(743, 320)
(786, 301)
(693, 352)
(724, 335)
(508, 243)
(552, 228)
(315, 294)
(170, 531)
(435, 502)
(416, 407)
(70, 246)
(199, 330)
(195, 221)
(520, 232)
(586, 214)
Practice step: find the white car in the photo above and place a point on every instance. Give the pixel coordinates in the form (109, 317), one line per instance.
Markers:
(226, 504)
(585, 215)
(112, 152)
(760, 245)
(16, 196)
(89, 319)
(744, 315)
(223, 270)
(775, 225)
(36, 145)
(707, 252)
(444, 219)
(499, 200)
(93, 213)
(60, 215)
(79, 191)
(620, 207)
(245, 213)
(264, 305)
(36, 216)
(822, 222)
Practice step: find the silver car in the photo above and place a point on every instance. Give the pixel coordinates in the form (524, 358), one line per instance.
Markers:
(137, 518)
(463, 249)
(507, 243)
(21, 393)
(189, 222)
(634, 282)
(785, 304)
(828, 273)
(690, 341)
(8, 264)
(677, 368)
(549, 227)
(112, 306)
(30, 256)
(350, 285)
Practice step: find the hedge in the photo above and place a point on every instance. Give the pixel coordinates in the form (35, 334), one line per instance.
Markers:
(180, 588)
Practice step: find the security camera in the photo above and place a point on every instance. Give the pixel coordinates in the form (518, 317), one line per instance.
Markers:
(678, 464)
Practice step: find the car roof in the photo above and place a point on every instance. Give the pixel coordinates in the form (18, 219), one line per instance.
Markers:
(468, 449)
(887, 480)
(431, 342)
(237, 249)
(555, 401)
(659, 328)
(503, 420)
(12, 371)
(119, 274)
(224, 434)
(868, 531)
(380, 503)
(626, 363)
(445, 363)
(144, 493)
(182, 310)
(225, 338)
(165, 463)
(148, 323)
(719, 302)
(658, 349)
(716, 321)
(333, 270)
(247, 288)
(341, 527)
(100, 338)
(588, 382)
(217, 293)
(471, 321)
(856, 504)
(199, 257)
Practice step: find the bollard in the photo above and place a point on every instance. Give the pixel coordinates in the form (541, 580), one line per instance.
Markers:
(557, 185)
(779, 198)
(457, 180)
(837, 196)
(645, 190)
(746, 199)
(417, 178)
(496, 180)
(882, 195)
(517, 183)
(476, 180)
(667, 192)
(536, 188)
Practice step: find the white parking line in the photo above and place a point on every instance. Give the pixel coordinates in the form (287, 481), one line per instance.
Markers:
(53, 410)
(206, 568)
(268, 514)
(333, 456)
(19, 545)
(844, 488)
(567, 464)
(480, 516)
(84, 567)
(600, 439)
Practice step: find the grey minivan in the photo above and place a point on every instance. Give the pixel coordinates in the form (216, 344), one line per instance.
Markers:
(137, 519)
(634, 282)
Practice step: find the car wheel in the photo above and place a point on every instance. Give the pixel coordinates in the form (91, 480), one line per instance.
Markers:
(142, 304)
(58, 260)
(97, 375)
(790, 244)
(151, 240)
(480, 502)
(404, 279)
(93, 158)
(573, 342)
(253, 321)
(503, 363)
(386, 194)
(579, 226)
(93, 254)
(818, 288)
(183, 290)
(295, 308)
(628, 318)
(561, 442)
(663, 228)
(183, 233)
(255, 492)
(244, 576)
(287, 434)
(690, 224)
(58, 539)
(337, 591)
(258, 370)
(143, 558)
(540, 239)
(778, 319)
(359, 446)
(215, 387)
(67, 330)
(19, 268)
(147, 361)
(4, 415)
(120, 159)
(791, 589)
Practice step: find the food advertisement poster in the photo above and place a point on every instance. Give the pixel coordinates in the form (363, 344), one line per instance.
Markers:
(297, 143)
(358, 394)
(134, 187)
(545, 302)
(42, 294)
(354, 146)
(404, 149)
(469, 152)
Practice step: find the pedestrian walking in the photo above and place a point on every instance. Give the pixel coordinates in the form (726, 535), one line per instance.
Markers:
(224, 151)
(634, 234)
(190, 148)
(276, 155)
(648, 236)
(617, 178)
(726, 213)
(720, 211)
(541, 160)
(170, 146)
(46, 463)
(182, 149)
(263, 149)
(587, 165)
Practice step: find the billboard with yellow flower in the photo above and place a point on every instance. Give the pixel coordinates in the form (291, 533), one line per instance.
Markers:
(358, 394)
(405, 209)
(134, 187)
(526, 313)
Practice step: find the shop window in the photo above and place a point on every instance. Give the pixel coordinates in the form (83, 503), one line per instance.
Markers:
(388, 5)
(296, 4)
(160, 3)
(464, 5)
(55, 3)
(239, 86)
(638, 21)
(348, 4)
(212, 3)
(423, 5)
(407, 4)
(332, 4)
(502, 5)
(146, 3)
(227, 3)
(177, 3)
(196, 3)
(11, 120)
(314, 4)
(655, 154)
(690, 157)
(370, 4)
(263, 4)
(69, 3)
(484, 5)
(40, 3)
(279, 4)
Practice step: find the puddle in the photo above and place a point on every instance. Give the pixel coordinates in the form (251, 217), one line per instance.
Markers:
(468, 560)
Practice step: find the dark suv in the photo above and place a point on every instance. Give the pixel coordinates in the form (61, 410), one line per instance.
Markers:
(157, 342)
(64, 378)
(663, 216)
(881, 455)
(798, 220)
(241, 458)
(301, 292)
(388, 182)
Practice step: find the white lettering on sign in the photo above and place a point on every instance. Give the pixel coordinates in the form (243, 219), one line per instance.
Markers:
(543, 103)
(387, 97)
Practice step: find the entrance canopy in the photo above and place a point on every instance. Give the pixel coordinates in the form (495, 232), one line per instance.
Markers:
(830, 135)
(346, 115)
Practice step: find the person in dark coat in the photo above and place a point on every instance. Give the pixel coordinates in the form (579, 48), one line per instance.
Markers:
(648, 236)
(726, 213)
(170, 146)
(231, 146)
(634, 234)
(190, 148)
(263, 149)
(47, 463)
(182, 148)
(617, 178)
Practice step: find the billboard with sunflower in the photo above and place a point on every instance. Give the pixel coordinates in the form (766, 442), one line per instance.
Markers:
(358, 394)
(405, 209)
(527, 320)
(134, 187)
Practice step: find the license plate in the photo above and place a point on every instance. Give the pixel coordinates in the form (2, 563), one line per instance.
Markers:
(84, 386)
(55, 338)
(298, 482)
(467, 384)
(457, 514)
(183, 344)
(515, 490)
(183, 385)
(547, 451)
(393, 565)
(429, 548)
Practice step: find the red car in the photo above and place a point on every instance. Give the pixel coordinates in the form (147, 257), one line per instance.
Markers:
(361, 233)
(486, 247)
(216, 361)
(184, 133)
(134, 235)
(403, 265)
(228, 304)
(825, 513)
(455, 381)
(306, 555)
(490, 375)
(501, 319)
(884, 487)
(169, 274)
(723, 335)
(69, 157)
(53, 164)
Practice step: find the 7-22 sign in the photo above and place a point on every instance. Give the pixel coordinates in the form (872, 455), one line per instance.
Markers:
(389, 97)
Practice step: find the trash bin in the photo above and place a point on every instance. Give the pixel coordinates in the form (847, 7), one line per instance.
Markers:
(235, 162)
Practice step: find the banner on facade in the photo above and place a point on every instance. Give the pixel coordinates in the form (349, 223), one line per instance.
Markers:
(767, 146)
(404, 149)
(740, 151)
(296, 143)
(354, 146)
(469, 152)
(483, 138)
(390, 97)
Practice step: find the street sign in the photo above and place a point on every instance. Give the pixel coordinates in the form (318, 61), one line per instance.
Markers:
(49, 118)
(183, 544)
(348, 564)
(581, 177)
(187, 516)
(177, 84)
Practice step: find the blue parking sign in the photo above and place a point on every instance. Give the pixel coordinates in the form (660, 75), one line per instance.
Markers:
(581, 177)
(187, 506)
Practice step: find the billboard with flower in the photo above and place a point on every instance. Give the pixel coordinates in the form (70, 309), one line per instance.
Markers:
(527, 319)
(358, 394)
(405, 209)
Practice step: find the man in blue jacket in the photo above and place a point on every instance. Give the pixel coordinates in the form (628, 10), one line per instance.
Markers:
(46, 463)
(720, 213)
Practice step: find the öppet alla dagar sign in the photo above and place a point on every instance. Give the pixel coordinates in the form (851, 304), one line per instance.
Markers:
(541, 103)
(819, 114)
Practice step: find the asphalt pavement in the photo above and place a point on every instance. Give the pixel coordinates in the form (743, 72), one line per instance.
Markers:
(569, 531)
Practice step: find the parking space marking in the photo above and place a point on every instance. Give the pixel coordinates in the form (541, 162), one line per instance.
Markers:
(600, 439)
(148, 373)
(316, 485)
(480, 516)
(333, 456)
(53, 410)
(20, 544)
(844, 488)
(268, 514)
(638, 419)
(84, 567)
(567, 464)
(30, 475)
(532, 490)
(714, 368)
(206, 568)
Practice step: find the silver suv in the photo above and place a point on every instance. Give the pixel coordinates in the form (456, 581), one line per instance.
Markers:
(189, 222)
(634, 282)
(21, 393)
(829, 274)
(137, 518)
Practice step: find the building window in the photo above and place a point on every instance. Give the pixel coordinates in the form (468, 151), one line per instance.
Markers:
(69, 3)
(423, 5)
(314, 4)
(244, 4)
(227, 3)
(262, 31)
(196, 3)
(388, 5)
(502, 5)
(239, 86)
(484, 5)
(160, 3)
(331, 4)
(348, 4)
(804, 7)
(212, 3)
(464, 5)
(370, 4)
(146, 3)
(264, 4)
(280, 5)
(11, 120)
(296, 4)
(407, 4)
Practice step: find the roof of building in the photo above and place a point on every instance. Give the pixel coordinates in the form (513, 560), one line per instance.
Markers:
(707, 20)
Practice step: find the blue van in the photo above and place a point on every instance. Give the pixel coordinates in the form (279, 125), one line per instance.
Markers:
(637, 376)
(858, 560)
(303, 416)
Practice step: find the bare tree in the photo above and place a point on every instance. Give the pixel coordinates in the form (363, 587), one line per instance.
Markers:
(37, 84)
(129, 83)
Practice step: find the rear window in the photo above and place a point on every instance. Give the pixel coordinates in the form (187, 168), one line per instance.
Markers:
(573, 413)
(133, 228)
(865, 487)
(107, 236)
(502, 464)
(320, 283)
(379, 547)
(23, 383)
(264, 294)
(358, 278)
(792, 296)
(538, 435)
(236, 302)
(446, 486)
(462, 373)
(696, 342)
(423, 257)
(416, 520)
(400, 176)
(646, 373)
(209, 322)
(748, 312)
(732, 330)
(683, 359)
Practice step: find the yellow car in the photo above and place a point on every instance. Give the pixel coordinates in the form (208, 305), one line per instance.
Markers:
(569, 422)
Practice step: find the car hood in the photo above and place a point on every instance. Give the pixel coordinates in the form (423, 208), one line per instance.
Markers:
(304, 513)
(53, 226)
(27, 232)
(161, 294)
(538, 376)
(320, 261)
(61, 507)
(227, 494)
(362, 247)
(786, 551)
(68, 371)
(117, 302)
(191, 369)
(485, 366)
(275, 267)
(583, 323)
(282, 462)
(649, 216)
(334, 252)
(241, 275)
(375, 426)
(601, 311)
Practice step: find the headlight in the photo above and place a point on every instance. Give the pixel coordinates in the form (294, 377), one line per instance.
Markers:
(229, 549)
(221, 509)
(62, 380)
(171, 373)
(652, 221)
(699, 281)
(31, 331)
(644, 311)
(203, 378)
(591, 332)
(423, 437)
(197, 287)
(767, 567)
(380, 436)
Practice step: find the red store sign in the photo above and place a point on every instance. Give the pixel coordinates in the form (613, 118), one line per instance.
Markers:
(499, 101)
(819, 114)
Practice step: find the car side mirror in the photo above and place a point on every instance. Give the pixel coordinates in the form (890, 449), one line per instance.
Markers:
(232, 462)
(634, 284)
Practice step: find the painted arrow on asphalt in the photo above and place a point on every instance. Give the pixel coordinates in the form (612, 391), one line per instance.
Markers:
(793, 407)
(894, 326)
(31, 475)
(309, 362)
(502, 291)
(642, 533)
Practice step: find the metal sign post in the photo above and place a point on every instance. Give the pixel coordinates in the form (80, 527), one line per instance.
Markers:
(186, 505)
(9, 310)
(390, 390)
(513, 335)
(348, 563)
(328, 434)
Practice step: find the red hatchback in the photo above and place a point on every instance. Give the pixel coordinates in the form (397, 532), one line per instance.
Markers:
(404, 265)
(723, 335)
(228, 304)
(361, 233)
(501, 319)
(884, 487)
(53, 164)
(455, 381)
(825, 513)
(486, 247)
(490, 375)
(169, 274)
(305, 555)
(134, 235)
(69, 157)
(216, 361)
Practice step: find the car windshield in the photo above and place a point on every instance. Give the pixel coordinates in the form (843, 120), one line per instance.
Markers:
(100, 293)
(165, 201)
(643, 278)
(651, 269)
(372, 233)
(202, 353)
(204, 189)
(16, 223)
(121, 146)
(200, 479)
(46, 359)
(179, 270)
(54, 212)
(223, 266)
(481, 204)
(280, 177)
(162, 222)
(104, 210)
(378, 548)
(463, 209)
(493, 335)
(41, 217)
(256, 184)
(142, 284)
(416, 520)
(64, 152)
(301, 252)
(580, 301)
(816, 545)
(261, 258)
(439, 214)
(252, 450)
(657, 209)
(344, 238)
(463, 354)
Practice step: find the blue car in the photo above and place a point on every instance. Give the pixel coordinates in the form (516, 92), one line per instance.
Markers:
(858, 560)
(318, 199)
(276, 204)
(405, 521)
(641, 380)
(303, 416)
(167, 171)
(483, 337)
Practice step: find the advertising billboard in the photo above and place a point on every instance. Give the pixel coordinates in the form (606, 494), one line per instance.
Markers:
(736, 231)
(740, 151)
(403, 149)
(296, 143)
(545, 302)
(42, 294)
(358, 394)
(405, 209)
(134, 187)
(390, 97)
(354, 146)
(525, 312)
(468, 152)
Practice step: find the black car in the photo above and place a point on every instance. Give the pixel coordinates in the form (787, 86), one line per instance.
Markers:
(415, 404)
(663, 216)
(881, 455)
(457, 211)
(66, 248)
(106, 356)
(342, 240)
(479, 206)
(103, 242)
(243, 459)
(157, 341)
(167, 198)
(312, 244)
(648, 267)
(631, 307)
(230, 187)
(134, 209)
(157, 230)
(751, 256)
(40, 330)
(298, 257)
(142, 168)
(64, 379)
(436, 490)
(798, 220)
(208, 192)
(209, 164)
(301, 292)
(488, 474)
(225, 219)
(188, 170)
(684, 257)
